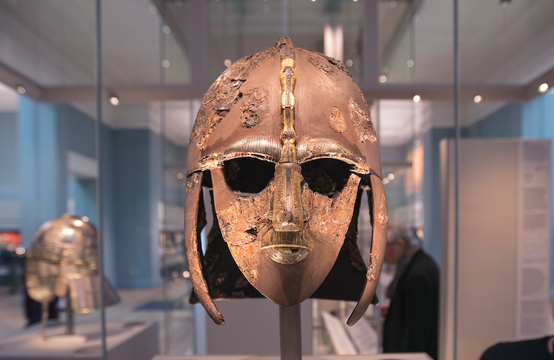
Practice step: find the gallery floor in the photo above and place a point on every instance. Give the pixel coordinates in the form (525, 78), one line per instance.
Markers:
(135, 305)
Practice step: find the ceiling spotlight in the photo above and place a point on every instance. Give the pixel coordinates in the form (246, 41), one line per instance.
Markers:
(165, 63)
(349, 62)
(20, 89)
(505, 2)
(227, 62)
(114, 100)
(477, 99)
(391, 176)
(417, 98)
(542, 88)
(410, 63)
(383, 79)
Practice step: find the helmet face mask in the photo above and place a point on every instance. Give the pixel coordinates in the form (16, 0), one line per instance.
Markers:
(285, 139)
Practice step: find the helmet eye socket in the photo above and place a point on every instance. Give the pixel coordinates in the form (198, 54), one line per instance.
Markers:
(326, 176)
(248, 175)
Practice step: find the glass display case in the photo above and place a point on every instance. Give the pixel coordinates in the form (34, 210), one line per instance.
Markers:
(158, 59)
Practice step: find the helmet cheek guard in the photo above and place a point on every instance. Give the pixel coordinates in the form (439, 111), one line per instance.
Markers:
(285, 140)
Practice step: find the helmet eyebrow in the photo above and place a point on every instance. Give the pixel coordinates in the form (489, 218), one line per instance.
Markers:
(325, 148)
(258, 147)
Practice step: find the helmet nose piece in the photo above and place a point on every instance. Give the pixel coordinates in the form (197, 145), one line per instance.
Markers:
(288, 210)
(286, 242)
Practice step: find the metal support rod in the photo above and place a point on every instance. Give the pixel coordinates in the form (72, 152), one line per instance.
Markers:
(98, 143)
(70, 315)
(285, 17)
(290, 334)
(371, 54)
(44, 320)
(456, 173)
(162, 233)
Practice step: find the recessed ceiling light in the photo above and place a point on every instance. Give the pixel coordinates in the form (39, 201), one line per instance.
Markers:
(114, 100)
(543, 87)
(383, 79)
(477, 99)
(417, 98)
(20, 89)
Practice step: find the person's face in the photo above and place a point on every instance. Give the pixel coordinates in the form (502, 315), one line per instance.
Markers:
(394, 251)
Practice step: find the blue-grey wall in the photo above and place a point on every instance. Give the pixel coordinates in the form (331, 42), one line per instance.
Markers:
(34, 144)
(136, 189)
(506, 122)
(42, 166)
(8, 159)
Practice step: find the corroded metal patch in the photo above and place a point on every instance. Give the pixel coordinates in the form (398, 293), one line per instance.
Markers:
(330, 66)
(374, 268)
(242, 225)
(253, 103)
(363, 124)
(192, 182)
(331, 216)
(223, 95)
(245, 217)
(336, 120)
(383, 212)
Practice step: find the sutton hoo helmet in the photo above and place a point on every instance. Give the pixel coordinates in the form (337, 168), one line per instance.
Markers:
(285, 140)
(64, 256)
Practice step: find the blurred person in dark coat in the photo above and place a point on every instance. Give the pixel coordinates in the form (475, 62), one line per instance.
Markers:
(535, 349)
(411, 320)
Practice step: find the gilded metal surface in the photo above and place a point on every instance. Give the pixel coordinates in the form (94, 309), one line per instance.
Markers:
(336, 120)
(255, 147)
(64, 256)
(301, 111)
(362, 122)
(288, 80)
(318, 148)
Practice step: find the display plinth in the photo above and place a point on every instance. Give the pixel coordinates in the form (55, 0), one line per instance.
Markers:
(414, 356)
(132, 341)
